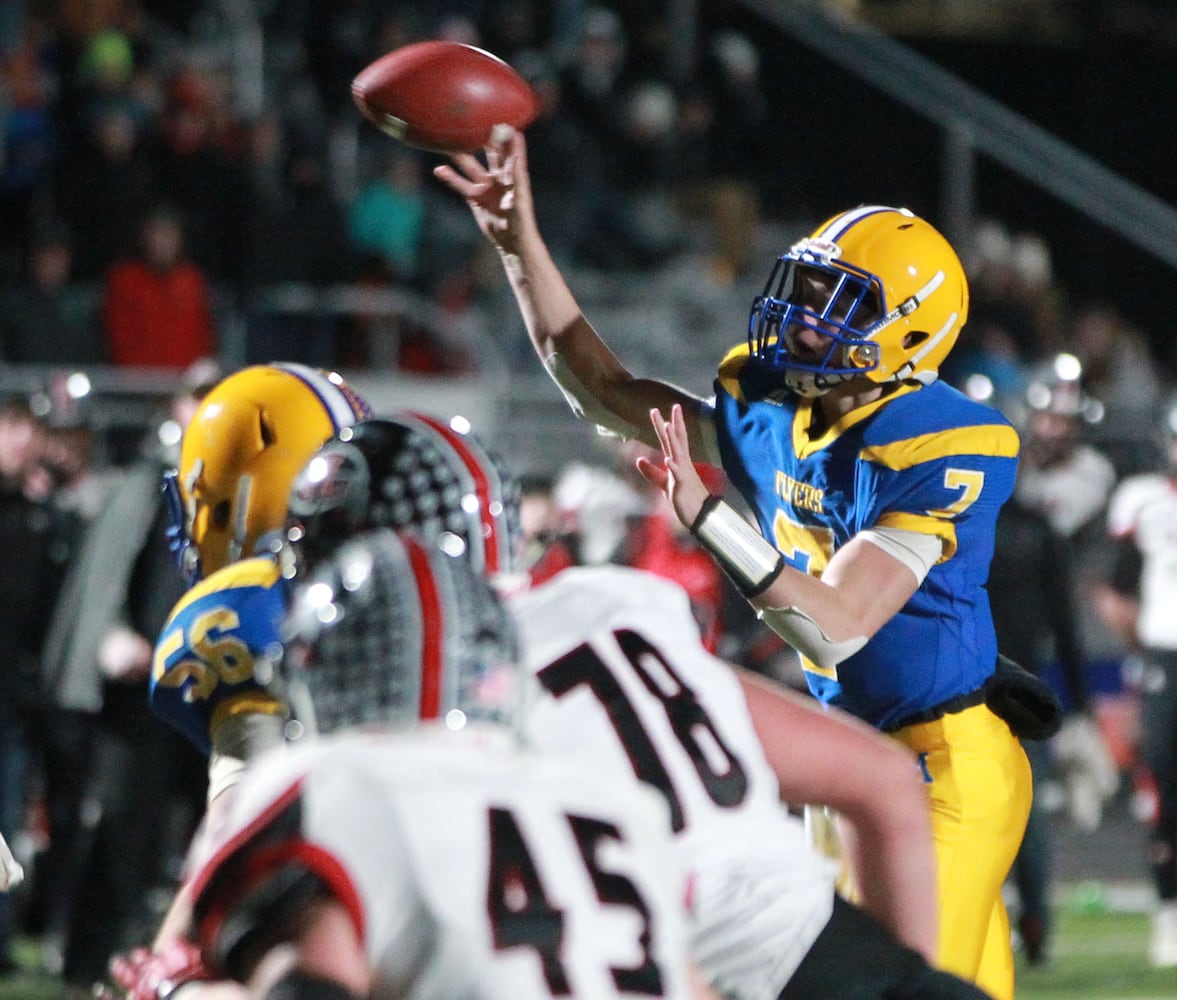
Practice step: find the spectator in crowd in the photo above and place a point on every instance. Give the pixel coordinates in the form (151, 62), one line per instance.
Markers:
(544, 542)
(29, 139)
(569, 172)
(100, 183)
(49, 318)
(386, 221)
(296, 242)
(144, 785)
(158, 306)
(36, 544)
(198, 158)
(597, 76)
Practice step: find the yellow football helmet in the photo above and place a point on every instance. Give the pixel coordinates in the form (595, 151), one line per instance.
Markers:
(884, 287)
(240, 453)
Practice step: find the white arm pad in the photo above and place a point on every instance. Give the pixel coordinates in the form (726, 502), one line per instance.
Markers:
(11, 871)
(223, 773)
(806, 636)
(583, 405)
(916, 550)
(750, 559)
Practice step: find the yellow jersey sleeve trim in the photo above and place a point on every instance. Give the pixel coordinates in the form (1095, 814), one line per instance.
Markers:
(729, 371)
(805, 446)
(831, 673)
(260, 571)
(994, 440)
(925, 524)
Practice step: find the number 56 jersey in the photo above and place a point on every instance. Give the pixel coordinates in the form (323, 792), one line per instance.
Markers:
(628, 687)
(472, 870)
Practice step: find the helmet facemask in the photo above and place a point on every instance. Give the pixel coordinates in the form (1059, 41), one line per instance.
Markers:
(805, 292)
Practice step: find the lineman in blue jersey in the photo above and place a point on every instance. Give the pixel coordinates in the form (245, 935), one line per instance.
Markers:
(248, 439)
(202, 672)
(243, 447)
(240, 453)
(876, 490)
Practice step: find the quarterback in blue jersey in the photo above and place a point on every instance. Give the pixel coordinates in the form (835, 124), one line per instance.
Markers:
(876, 490)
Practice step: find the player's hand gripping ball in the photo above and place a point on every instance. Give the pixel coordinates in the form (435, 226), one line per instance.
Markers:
(443, 96)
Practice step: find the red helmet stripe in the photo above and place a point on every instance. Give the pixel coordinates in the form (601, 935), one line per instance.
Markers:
(479, 472)
(434, 627)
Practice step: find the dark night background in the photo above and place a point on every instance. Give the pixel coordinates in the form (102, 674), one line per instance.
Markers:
(1104, 85)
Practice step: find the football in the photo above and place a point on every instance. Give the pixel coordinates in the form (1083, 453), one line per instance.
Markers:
(443, 96)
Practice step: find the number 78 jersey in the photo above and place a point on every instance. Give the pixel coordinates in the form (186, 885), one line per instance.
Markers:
(629, 688)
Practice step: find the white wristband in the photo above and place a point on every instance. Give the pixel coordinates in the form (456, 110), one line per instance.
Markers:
(746, 555)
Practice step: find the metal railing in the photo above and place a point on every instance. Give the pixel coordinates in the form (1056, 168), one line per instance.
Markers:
(975, 123)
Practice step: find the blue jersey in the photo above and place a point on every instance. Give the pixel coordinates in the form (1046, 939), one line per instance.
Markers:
(203, 667)
(924, 458)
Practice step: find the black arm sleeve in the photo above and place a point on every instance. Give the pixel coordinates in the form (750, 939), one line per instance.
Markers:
(1126, 568)
(1060, 605)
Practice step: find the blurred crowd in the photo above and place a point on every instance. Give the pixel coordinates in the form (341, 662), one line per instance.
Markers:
(179, 166)
(185, 179)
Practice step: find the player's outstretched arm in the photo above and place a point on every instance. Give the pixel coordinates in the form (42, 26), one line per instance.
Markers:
(325, 958)
(826, 757)
(595, 382)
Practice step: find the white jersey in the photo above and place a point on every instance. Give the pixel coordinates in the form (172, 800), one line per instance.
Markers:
(473, 870)
(1144, 510)
(629, 688)
(1069, 493)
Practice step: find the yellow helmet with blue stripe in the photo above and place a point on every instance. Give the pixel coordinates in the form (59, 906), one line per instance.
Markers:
(882, 285)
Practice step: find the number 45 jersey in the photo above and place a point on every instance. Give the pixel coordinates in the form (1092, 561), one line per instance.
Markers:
(628, 687)
(471, 869)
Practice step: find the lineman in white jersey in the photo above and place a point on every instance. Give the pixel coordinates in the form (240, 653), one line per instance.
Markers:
(631, 690)
(461, 866)
(407, 845)
(1138, 601)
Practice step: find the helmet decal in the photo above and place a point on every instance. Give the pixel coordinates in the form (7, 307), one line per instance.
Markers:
(414, 471)
(486, 480)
